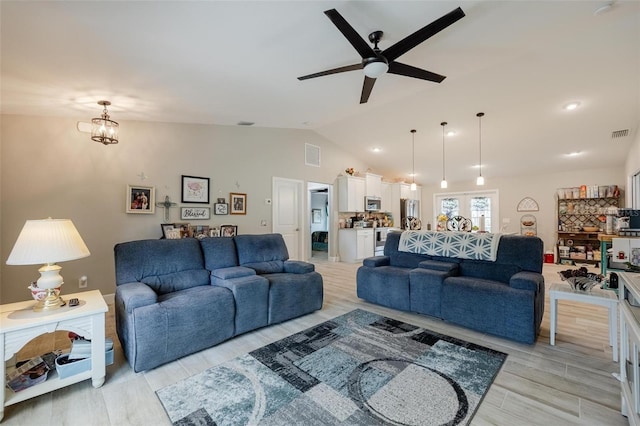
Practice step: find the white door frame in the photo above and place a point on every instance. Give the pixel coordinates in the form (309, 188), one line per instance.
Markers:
(330, 216)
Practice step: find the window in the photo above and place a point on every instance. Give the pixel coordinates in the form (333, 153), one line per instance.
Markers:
(472, 205)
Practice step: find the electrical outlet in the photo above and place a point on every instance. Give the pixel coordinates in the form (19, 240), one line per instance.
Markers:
(83, 281)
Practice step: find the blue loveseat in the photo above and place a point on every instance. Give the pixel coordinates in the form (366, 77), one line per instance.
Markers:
(177, 297)
(504, 297)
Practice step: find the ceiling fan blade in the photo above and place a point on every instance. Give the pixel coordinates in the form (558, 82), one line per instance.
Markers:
(363, 48)
(409, 42)
(332, 71)
(409, 71)
(367, 86)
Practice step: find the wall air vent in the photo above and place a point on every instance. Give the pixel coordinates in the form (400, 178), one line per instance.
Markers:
(619, 134)
(246, 123)
(311, 155)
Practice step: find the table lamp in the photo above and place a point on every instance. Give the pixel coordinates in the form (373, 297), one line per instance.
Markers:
(48, 241)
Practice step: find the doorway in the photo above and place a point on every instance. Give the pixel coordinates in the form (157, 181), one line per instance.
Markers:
(319, 214)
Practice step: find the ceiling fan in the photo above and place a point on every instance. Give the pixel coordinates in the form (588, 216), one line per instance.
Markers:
(376, 62)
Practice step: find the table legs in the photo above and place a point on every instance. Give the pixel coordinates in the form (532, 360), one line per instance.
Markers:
(553, 302)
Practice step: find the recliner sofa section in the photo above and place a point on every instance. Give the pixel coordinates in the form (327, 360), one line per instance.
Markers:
(177, 297)
(504, 297)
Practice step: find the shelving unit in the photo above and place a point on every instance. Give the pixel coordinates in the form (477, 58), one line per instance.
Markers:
(574, 214)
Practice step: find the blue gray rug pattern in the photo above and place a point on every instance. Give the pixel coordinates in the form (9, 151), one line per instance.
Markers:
(360, 368)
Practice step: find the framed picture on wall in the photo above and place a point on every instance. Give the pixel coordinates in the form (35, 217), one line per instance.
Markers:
(316, 215)
(228, 230)
(140, 199)
(195, 213)
(221, 208)
(195, 189)
(238, 203)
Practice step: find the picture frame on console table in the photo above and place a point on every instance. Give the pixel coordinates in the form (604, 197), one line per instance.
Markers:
(195, 189)
(166, 227)
(238, 203)
(140, 199)
(228, 230)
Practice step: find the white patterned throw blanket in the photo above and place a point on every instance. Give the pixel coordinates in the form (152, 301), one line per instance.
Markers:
(462, 245)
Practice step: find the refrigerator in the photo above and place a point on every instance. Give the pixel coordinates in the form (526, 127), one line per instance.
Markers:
(410, 209)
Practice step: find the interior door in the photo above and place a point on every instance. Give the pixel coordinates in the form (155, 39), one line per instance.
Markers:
(287, 218)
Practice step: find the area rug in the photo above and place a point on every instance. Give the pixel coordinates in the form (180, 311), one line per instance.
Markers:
(360, 368)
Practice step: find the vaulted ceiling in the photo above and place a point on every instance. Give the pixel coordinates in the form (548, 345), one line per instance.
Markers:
(218, 62)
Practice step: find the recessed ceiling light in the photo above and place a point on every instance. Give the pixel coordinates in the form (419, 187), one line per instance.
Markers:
(376, 150)
(571, 106)
(451, 133)
(574, 154)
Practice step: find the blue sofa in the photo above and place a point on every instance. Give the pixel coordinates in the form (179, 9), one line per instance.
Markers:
(177, 297)
(504, 297)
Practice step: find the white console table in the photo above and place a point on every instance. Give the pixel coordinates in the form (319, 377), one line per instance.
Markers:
(19, 324)
(606, 298)
(630, 346)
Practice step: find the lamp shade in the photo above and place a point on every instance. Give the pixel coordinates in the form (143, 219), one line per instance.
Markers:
(47, 241)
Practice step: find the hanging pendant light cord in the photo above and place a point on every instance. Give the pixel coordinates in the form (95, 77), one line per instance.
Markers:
(413, 155)
(480, 115)
(444, 123)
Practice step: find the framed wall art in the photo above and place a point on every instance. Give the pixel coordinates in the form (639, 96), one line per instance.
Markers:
(221, 208)
(316, 215)
(140, 199)
(228, 230)
(195, 213)
(195, 189)
(238, 203)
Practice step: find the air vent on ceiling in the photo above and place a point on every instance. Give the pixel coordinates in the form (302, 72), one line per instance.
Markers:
(619, 134)
(311, 155)
(246, 123)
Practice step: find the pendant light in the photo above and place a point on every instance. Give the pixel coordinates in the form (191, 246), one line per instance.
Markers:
(480, 179)
(103, 129)
(443, 184)
(413, 156)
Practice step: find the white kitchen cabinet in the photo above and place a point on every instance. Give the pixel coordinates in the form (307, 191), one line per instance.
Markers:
(355, 244)
(351, 192)
(373, 185)
(387, 197)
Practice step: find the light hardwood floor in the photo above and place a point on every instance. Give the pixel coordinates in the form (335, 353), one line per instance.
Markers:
(570, 383)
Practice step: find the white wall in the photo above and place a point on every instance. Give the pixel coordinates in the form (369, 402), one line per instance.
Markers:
(48, 168)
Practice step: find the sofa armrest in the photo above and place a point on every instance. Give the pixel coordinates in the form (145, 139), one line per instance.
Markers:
(376, 261)
(135, 295)
(298, 267)
(438, 265)
(232, 272)
(525, 280)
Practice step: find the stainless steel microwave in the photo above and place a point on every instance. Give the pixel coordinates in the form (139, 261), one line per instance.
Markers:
(372, 204)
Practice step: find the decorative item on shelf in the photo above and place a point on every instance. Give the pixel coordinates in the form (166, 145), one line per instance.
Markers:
(442, 222)
(48, 241)
(443, 183)
(228, 230)
(528, 225)
(350, 171)
(480, 179)
(103, 129)
(413, 159)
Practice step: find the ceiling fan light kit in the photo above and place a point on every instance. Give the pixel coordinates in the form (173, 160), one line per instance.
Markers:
(375, 62)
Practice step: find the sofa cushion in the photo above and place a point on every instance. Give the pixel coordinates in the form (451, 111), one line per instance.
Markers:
(144, 260)
(488, 270)
(219, 252)
(265, 252)
(436, 265)
(298, 267)
(169, 283)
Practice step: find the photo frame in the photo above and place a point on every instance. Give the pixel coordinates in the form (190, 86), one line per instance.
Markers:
(228, 230)
(165, 228)
(195, 189)
(195, 213)
(174, 234)
(140, 199)
(238, 203)
(200, 231)
(184, 228)
(316, 215)
(221, 208)
(221, 201)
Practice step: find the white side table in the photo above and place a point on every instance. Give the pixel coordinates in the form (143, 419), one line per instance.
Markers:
(19, 324)
(606, 298)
